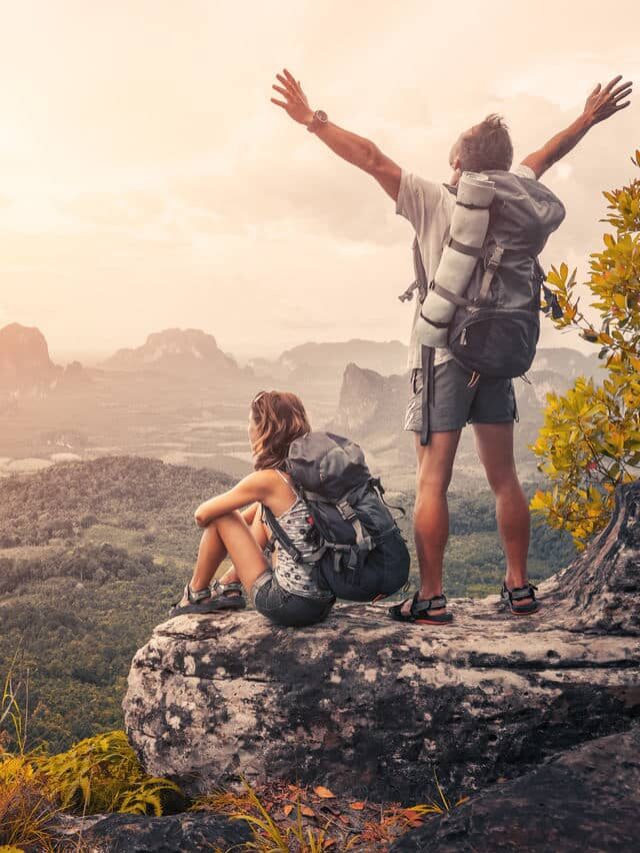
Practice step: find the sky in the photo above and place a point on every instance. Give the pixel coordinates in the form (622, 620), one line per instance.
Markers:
(147, 182)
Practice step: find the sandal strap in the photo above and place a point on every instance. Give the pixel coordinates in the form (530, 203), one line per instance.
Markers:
(426, 604)
(195, 596)
(222, 588)
(520, 592)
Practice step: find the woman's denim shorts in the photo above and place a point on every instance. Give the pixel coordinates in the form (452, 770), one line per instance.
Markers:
(286, 608)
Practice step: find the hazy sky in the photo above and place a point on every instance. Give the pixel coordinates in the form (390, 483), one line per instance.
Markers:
(148, 182)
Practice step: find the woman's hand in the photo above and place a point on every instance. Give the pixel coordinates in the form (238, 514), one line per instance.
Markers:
(295, 104)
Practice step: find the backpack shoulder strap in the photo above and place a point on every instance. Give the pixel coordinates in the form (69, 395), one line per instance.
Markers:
(285, 542)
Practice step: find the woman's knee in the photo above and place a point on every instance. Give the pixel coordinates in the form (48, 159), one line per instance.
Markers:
(209, 530)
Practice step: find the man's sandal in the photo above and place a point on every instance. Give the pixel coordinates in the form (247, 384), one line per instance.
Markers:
(230, 596)
(419, 611)
(518, 593)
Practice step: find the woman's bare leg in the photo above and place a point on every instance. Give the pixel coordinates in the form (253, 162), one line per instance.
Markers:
(211, 552)
(230, 535)
(259, 532)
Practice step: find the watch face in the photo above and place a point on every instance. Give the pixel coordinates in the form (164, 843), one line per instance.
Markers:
(321, 116)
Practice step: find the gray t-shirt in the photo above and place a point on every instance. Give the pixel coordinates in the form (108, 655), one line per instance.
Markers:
(429, 207)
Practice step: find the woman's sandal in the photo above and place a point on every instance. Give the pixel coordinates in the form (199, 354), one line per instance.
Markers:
(419, 611)
(230, 597)
(512, 596)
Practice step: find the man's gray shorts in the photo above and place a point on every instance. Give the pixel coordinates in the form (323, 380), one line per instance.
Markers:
(455, 403)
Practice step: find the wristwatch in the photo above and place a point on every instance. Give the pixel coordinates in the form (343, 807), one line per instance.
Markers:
(319, 119)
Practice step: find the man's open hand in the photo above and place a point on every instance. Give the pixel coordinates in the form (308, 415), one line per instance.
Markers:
(295, 102)
(603, 103)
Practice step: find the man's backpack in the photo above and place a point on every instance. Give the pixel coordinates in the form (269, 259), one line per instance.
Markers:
(348, 517)
(496, 325)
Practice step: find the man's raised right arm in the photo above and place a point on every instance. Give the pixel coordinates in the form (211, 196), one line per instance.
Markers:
(357, 150)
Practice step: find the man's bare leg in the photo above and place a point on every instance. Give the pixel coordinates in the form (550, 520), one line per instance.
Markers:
(495, 449)
(431, 513)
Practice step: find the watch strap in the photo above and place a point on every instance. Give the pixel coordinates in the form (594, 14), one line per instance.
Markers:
(316, 121)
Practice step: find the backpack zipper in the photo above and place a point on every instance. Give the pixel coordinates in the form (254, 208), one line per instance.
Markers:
(463, 337)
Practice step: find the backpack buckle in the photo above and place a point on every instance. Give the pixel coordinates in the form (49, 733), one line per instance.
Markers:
(407, 295)
(353, 559)
(493, 262)
(346, 510)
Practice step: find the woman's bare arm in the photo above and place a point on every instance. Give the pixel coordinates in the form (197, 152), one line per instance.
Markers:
(253, 489)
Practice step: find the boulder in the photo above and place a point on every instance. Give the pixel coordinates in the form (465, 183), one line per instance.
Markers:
(126, 833)
(372, 708)
(586, 799)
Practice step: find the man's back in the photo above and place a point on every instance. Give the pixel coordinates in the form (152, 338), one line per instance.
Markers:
(429, 207)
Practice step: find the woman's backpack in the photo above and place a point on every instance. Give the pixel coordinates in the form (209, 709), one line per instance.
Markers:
(348, 517)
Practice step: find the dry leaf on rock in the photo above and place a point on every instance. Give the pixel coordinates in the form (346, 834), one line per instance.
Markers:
(324, 793)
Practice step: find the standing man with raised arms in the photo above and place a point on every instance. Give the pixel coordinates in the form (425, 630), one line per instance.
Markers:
(489, 404)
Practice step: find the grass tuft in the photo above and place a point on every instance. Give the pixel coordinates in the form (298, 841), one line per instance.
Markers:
(99, 774)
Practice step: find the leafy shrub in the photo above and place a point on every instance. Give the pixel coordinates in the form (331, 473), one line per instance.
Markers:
(590, 440)
(102, 774)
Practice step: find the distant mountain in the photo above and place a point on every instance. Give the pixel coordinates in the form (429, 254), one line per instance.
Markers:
(568, 362)
(326, 362)
(26, 370)
(24, 359)
(177, 351)
(369, 402)
(370, 411)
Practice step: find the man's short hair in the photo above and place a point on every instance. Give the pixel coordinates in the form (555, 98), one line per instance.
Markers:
(487, 146)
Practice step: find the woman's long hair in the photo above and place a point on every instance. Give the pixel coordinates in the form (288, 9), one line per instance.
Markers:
(280, 418)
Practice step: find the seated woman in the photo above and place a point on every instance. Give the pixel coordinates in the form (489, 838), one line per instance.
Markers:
(287, 592)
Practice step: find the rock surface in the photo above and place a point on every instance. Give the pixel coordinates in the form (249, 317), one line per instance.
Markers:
(372, 708)
(180, 833)
(600, 591)
(587, 799)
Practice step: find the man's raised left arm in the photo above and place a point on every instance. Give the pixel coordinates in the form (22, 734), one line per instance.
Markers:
(601, 104)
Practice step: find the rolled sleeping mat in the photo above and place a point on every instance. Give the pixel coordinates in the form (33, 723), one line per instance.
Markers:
(469, 228)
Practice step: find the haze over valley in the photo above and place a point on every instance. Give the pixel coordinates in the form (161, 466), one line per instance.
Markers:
(179, 398)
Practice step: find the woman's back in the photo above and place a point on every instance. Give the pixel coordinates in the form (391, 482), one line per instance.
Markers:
(298, 578)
